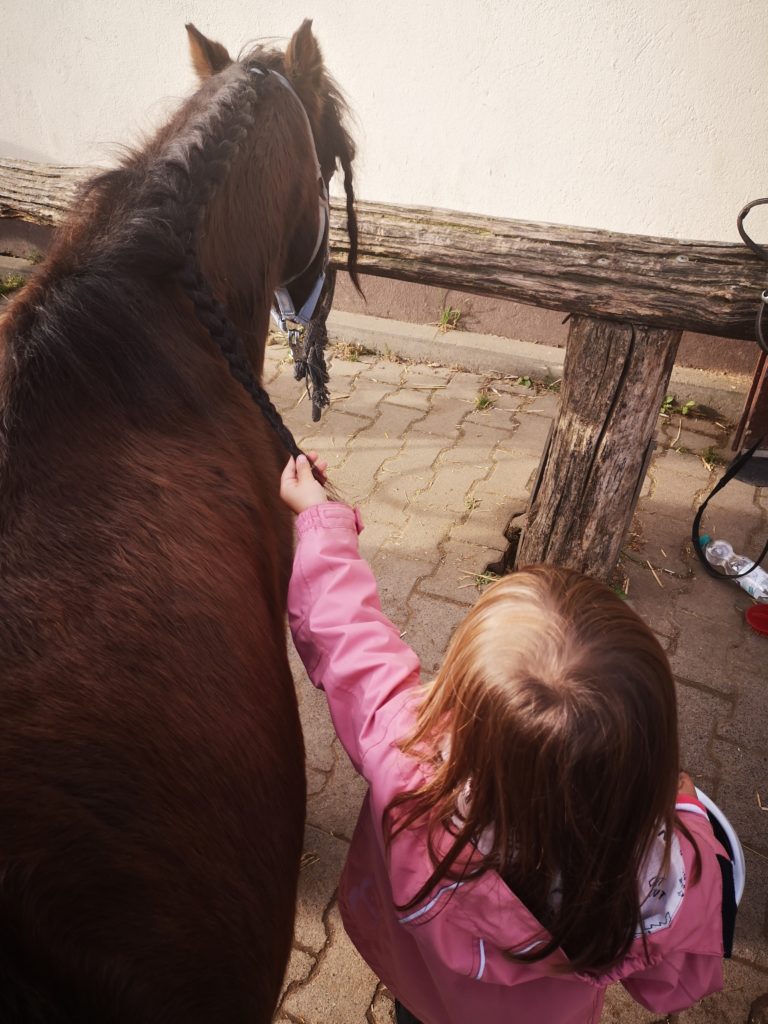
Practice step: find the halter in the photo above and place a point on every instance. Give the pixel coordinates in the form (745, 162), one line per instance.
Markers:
(287, 318)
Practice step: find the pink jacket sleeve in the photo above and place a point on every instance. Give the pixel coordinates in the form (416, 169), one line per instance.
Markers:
(349, 647)
(688, 962)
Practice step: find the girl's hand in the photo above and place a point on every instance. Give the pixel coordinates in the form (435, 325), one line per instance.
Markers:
(298, 487)
(685, 784)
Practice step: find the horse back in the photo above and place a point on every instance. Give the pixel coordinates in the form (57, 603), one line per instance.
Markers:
(151, 764)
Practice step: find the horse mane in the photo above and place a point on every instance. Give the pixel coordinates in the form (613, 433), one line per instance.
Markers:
(83, 335)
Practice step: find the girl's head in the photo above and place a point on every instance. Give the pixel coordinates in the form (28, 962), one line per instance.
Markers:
(555, 710)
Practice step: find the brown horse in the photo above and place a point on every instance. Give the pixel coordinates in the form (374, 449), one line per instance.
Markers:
(152, 785)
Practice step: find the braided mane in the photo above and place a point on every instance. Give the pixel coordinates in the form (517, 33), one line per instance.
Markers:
(86, 331)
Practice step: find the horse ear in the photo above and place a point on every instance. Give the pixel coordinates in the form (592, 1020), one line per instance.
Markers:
(303, 59)
(207, 57)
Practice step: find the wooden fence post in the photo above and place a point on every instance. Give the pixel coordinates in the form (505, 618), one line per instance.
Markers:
(614, 380)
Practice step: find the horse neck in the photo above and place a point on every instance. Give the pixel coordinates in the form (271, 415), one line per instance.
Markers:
(260, 226)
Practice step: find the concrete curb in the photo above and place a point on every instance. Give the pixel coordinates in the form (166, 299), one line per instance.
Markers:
(487, 353)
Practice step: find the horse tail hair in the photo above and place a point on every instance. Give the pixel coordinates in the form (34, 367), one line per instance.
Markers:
(343, 149)
(346, 164)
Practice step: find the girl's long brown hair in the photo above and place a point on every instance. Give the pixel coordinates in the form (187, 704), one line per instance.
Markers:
(557, 704)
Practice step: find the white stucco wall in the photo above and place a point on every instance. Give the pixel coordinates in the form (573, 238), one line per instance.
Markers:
(648, 116)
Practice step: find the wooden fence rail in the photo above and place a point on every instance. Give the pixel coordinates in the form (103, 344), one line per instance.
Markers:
(708, 287)
(633, 296)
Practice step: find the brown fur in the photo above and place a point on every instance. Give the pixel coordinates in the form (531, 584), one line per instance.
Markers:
(151, 763)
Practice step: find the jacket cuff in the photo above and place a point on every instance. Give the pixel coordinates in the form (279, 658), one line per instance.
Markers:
(328, 515)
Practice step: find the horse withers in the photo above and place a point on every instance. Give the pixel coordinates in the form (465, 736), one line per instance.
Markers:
(152, 788)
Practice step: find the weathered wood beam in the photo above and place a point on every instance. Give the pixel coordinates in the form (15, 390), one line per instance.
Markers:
(708, 287)
(615, 377)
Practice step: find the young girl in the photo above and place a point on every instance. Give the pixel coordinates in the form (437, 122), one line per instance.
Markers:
(526, 839)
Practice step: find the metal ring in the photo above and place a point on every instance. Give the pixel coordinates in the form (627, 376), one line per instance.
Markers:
(759, 250)
(762, 341)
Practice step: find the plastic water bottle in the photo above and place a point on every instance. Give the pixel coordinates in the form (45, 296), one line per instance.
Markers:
(720, 554)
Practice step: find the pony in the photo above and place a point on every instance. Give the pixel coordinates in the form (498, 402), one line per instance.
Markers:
(152, 785)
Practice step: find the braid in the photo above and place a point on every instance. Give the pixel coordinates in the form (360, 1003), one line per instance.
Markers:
(310, 365)
(209, 161)
(212, 316)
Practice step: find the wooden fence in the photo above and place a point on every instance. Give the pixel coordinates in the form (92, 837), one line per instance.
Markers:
(630, 297)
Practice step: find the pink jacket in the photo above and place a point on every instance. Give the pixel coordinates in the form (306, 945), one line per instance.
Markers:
(444, 960)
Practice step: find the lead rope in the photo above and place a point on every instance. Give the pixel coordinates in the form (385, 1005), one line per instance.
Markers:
(743, 457)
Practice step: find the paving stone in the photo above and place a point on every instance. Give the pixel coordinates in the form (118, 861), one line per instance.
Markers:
(678, 486)
(335, 808)
(349, 368)
(736, 497)
(749, 648)
(484, 525)
(443, 419)
(286, 393)
(342, 988)
(316, 724)
(331, 435)
(655, 607)
(464, 385)
(722, 603)
(545, 404)
(512, 475)
(476, 443)
(421, 400)
(417, 455)
(423, 532)
(701, 654)
(450, 406)
(299, 966)
(758, 1012)
(316, 780)
(497, 418)
(746, 724)
(449, 490)
(530, 435)
(387, 372)
(423, 376)
(620, 1008)
(647, 487)
(455, 576)
(323, 859)
(742, 985)
(666, 544)
(504, 397)
(393, 495)
(356, 477)
(397, 576)
(744, 778)
(383, 1007)
(749, 943)
(692, 439)
(391, 425)
(430, 625)
(363, 397)
(698, 712)
(376, 533)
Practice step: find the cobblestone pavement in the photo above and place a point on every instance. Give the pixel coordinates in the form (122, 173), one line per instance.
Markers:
(437, 479)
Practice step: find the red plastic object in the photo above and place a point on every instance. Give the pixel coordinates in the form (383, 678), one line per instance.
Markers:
(757, 617)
